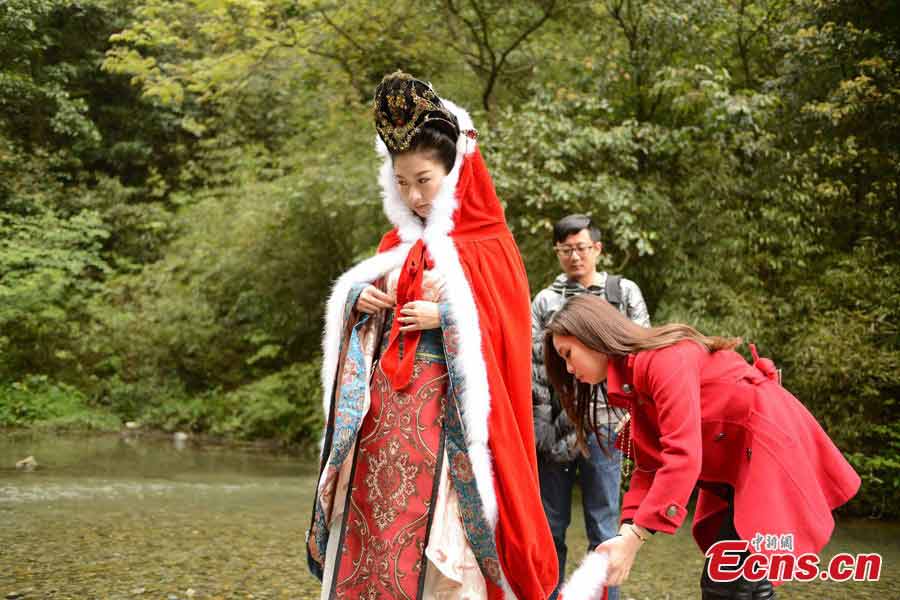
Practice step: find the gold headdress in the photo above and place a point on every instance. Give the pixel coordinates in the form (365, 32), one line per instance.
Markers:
(403, 105)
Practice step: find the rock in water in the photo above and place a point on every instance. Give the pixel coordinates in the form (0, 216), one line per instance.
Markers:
(27, 464)
(180, 439)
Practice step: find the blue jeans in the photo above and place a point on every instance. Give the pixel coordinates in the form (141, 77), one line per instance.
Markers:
(599, 478)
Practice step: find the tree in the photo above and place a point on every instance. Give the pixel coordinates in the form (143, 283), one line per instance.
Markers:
(489, 36)
(840, 78)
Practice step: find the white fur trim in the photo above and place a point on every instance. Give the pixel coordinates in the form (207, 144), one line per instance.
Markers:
(476, 397)
(464, 144)
(368, 270)
(508, 594)
(587, 582)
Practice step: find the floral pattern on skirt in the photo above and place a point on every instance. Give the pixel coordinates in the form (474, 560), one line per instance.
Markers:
(393, 488)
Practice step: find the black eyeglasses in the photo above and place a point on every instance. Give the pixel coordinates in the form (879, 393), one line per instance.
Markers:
(566, 251)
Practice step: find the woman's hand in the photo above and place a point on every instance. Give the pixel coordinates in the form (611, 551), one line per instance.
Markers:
(371, 300)
(621, 551)
(419, 315)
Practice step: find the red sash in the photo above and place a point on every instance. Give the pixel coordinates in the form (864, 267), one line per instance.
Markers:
(409, 288)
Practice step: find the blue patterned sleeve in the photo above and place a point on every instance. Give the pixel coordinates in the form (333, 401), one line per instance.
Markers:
(353, 297)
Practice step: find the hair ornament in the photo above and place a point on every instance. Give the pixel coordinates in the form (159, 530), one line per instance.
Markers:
(403, 105)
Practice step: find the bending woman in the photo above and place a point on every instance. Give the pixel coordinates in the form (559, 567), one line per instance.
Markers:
(428, 483)
(700, 417)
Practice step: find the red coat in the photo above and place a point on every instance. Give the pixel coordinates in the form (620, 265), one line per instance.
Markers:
(712, 417)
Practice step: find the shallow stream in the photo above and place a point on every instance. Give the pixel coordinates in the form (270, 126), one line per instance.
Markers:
(143, 516)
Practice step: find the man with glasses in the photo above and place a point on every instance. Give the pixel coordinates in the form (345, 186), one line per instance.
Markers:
(577, 244)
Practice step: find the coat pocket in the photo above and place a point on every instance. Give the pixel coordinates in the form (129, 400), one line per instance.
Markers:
(722, 442)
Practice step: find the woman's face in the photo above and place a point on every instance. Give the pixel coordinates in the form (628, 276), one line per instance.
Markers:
(419, 177)
(586, 364)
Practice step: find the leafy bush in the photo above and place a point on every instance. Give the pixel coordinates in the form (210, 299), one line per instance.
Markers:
(879, 468)
(130, 400)
(50, 264)
(284, 406)
(38, 401)
(239, 294)
(844, 364)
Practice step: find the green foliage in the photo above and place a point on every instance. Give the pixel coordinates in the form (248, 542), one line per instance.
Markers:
(131, 401)
(846, 365)
(36, 401)
(573, 160)
(180, 183)
(284, 406)
(840, 80)
(218, 61)
(35, 95)
(239, 294)
(75, 137)
(49, 266)
(647, 184)
(879, 468)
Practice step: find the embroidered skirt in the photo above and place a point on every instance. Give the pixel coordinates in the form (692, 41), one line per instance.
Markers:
(394, 484)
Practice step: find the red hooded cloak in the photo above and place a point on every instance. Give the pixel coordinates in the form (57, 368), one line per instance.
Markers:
(467, 238)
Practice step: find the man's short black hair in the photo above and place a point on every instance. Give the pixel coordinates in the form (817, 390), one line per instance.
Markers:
(571, 225)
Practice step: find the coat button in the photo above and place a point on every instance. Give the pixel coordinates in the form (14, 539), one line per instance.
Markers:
(671, 511)
(626, 388)
(720, 436)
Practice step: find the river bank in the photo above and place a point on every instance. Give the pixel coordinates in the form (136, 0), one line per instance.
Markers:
(282, 409)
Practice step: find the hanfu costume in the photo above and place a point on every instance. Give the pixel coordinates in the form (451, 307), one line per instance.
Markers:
(428, 483)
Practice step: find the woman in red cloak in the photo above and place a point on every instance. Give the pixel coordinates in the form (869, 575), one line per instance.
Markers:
(428, 482)
(700, 416)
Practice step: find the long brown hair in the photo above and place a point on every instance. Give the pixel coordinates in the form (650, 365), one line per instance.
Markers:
(599, 326)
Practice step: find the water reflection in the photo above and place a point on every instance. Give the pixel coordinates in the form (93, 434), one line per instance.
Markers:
(154, 516)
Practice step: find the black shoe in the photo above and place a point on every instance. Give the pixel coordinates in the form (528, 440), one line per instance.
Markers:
(739, 589)
(764, 590)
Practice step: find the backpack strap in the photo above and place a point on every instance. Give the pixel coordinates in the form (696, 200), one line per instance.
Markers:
(614, 290)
